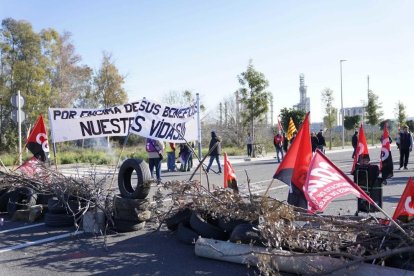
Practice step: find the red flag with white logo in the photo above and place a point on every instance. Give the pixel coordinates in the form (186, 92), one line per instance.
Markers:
(295, 164)
(30, 167)
(361, 149)
(37, 142)
(326, 182)
(230, 180)
(386, 164)
(406, 205)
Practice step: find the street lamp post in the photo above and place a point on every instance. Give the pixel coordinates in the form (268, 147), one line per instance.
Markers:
(342, 106)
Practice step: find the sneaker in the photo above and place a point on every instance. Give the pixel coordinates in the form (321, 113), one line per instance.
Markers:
(405, 168)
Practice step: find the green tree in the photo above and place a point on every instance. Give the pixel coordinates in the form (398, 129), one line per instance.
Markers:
(253, 96)
(298, 116)
(374, 112)
(69, 79)
(351, 122)
(23, 69)
(108, 84)
(400, 113)
(329, 119)
(181, 98)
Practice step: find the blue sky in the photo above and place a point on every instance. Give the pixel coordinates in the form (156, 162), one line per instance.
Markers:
(164, 46)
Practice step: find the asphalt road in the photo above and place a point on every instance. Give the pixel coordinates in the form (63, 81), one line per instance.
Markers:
(41, 250)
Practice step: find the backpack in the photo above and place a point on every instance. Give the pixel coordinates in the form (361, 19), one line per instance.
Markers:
(150, 146)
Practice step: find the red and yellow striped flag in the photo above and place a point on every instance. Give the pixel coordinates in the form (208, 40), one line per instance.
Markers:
(291, 129)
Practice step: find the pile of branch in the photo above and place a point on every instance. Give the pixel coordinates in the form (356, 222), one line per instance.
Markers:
(287, 228)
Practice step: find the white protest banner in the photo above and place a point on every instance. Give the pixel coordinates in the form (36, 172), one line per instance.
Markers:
(67, 124)
(165, 122)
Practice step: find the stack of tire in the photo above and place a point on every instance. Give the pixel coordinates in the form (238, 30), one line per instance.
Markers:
(189, 225)
(61, 215)
(131, 206)
(21, 198)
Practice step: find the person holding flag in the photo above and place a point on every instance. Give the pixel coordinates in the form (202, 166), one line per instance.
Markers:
(362, 148)
(386, 164)
(37, 142)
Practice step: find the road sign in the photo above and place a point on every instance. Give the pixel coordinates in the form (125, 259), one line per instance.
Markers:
(14, 102)
(14, 113)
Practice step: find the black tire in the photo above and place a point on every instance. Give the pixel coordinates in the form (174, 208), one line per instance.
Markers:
(182, 216)
(186, 235)
(143, 179)
(20, 199)
(133, 216)
(4, 199)
(128, 226)
(3, 191)
(229, 225)
(246, 233)
(55, 206)
(129, 203)
(43, 198)
(59, 220)
(205, 229)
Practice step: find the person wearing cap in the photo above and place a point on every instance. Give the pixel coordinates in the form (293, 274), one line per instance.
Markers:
(214, 151)
(405, 145)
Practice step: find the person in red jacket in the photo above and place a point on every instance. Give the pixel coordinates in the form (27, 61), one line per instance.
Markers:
(278, 143)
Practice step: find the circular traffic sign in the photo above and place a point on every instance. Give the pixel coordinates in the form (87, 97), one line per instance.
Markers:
(13, 115)
(14, 100)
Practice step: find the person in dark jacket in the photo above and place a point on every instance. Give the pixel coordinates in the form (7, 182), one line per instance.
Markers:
(354, 143)
(321, 141)
(314, 141)
(214, 153)
(405, 144)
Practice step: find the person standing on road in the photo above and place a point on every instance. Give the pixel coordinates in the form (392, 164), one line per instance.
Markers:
(314, 141)
(214, 153)
(278, 143)
(354, 143)
(321, 141)
(249, 143)
(285, 142)
(170, 150)
(405, 145)
(155, 150)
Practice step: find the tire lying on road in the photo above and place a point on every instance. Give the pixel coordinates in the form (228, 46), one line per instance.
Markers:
(122, 225)
(56, 206)
(181, 216)
(4, 199)
(58, 220)
(205, 229)
(143, 179)
(135, 210)
(185, 234)
(21, 198)
(246, 233)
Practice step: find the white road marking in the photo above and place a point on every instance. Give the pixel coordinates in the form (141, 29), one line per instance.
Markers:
(27, 244)
(21, 228)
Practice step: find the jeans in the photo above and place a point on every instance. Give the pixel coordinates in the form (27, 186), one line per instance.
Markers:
(249, 149)
(171, 161)
(212, 157)
(279, 150)
(155, 163)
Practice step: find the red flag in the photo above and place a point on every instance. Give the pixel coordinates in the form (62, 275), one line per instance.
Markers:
(325, 182)
(230, 180)
(295, 165)
(386, 164)
(30, 167)
(361, 149)
(37, 142)
(405, 207)
(279, 126)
